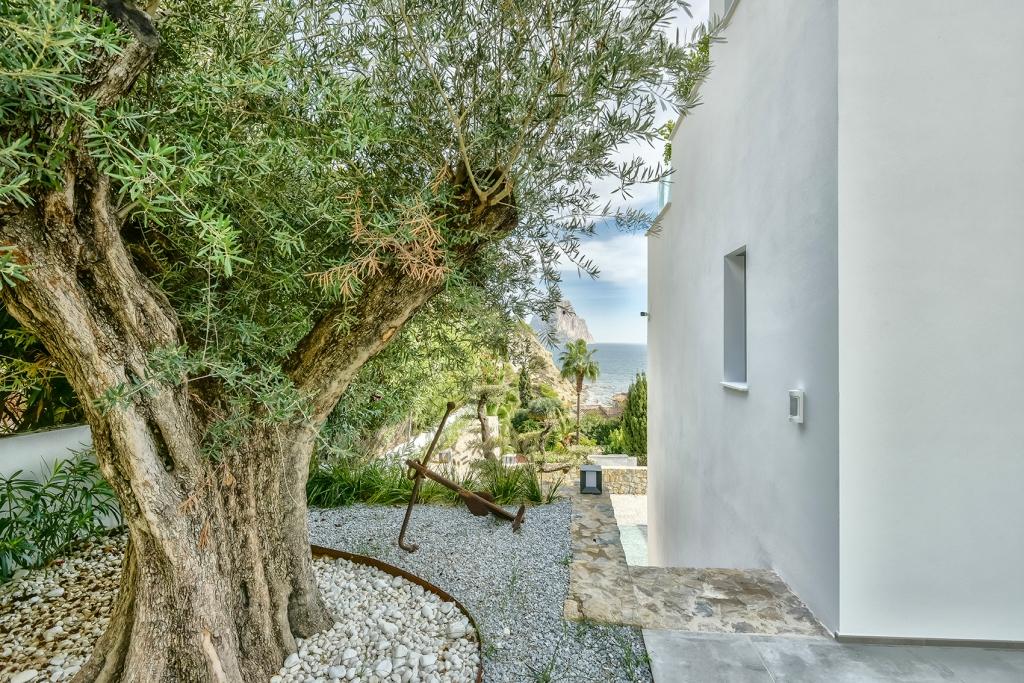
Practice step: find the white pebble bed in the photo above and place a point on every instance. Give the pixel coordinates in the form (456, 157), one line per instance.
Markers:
(387, 629)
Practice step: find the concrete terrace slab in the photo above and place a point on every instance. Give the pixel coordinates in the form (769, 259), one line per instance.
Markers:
(681, 657)
(686, 658)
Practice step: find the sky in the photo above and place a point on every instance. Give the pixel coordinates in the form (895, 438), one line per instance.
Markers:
(611, 304)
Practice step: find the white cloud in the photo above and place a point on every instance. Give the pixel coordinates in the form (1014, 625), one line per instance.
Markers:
(622, 260)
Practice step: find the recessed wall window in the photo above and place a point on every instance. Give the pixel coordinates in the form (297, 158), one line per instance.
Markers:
(736, 317)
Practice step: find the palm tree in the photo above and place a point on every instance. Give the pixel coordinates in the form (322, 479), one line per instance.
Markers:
(578, 363)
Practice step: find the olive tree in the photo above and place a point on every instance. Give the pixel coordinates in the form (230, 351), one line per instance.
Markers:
(214, 212)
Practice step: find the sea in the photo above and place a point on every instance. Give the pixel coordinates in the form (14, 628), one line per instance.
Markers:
(619, 364)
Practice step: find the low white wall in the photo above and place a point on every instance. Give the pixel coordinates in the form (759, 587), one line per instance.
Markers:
(732, 483)
(35, 453)
(931, 362)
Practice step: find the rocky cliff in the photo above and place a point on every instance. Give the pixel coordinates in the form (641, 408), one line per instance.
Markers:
(564, 326)
(543, 370)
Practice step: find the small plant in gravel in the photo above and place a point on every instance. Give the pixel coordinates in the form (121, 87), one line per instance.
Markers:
(633, 663)
(546, 672)
(42, 519)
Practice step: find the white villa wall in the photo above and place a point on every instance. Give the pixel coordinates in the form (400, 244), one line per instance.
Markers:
(35, 454)
(732, 483)
(931, 328)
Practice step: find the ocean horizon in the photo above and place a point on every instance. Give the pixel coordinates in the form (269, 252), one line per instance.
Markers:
(619, 365)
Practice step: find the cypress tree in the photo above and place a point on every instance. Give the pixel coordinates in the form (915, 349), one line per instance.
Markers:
(634, 419)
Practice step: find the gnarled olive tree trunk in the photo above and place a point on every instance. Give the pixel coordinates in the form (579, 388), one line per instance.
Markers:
(217, 580)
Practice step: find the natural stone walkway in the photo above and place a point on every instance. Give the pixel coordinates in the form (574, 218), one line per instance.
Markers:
(603, 587)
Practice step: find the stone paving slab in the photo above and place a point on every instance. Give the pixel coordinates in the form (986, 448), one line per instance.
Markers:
(720, 601)
(603, 587)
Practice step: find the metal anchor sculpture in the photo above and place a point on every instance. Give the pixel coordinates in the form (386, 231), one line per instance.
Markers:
(480, 504)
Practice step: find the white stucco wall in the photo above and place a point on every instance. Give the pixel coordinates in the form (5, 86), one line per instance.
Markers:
(731, 482)
(931, 329)
(36, 453)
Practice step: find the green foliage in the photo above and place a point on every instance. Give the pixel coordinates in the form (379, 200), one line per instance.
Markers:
(574, 454)
(545, 408)
(547, 391)
(43, 519)
(577, 362)
(600, 429)
(12, 271)
(522, 421)
(440, 355)
(350, 481)
(279, 155)
(34, 394)
(666, 134)
(634, 419)
(525, 386)
(697, 66)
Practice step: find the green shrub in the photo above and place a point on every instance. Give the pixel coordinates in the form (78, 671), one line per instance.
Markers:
(347, 481)
(522, 422)
(43, 519)
(547, 391)
(616, 442)
(599, 429)
(545, 408)
(524, 385)
(634, 419)
(575, 454)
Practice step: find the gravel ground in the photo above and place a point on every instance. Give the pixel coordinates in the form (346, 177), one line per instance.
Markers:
(50, 618)
(514, 585)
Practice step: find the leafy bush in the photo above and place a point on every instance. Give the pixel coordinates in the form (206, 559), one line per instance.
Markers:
(548, 391)
(522, 422)
(616, 442)
(634, 419)
(600, 429)
(34, 394)
(575, 454)
(545, 408)
(42, 519)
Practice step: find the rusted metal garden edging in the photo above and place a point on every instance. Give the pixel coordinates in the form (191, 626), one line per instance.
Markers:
(320, 551)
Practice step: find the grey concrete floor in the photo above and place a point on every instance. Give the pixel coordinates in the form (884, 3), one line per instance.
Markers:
(683, 657)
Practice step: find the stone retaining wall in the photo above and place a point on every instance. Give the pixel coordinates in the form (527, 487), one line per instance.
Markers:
(624, 480)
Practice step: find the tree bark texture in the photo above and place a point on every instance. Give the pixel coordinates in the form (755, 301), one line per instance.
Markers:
(486, 438)
(218, 576)
(579, 393)
(217, 580)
